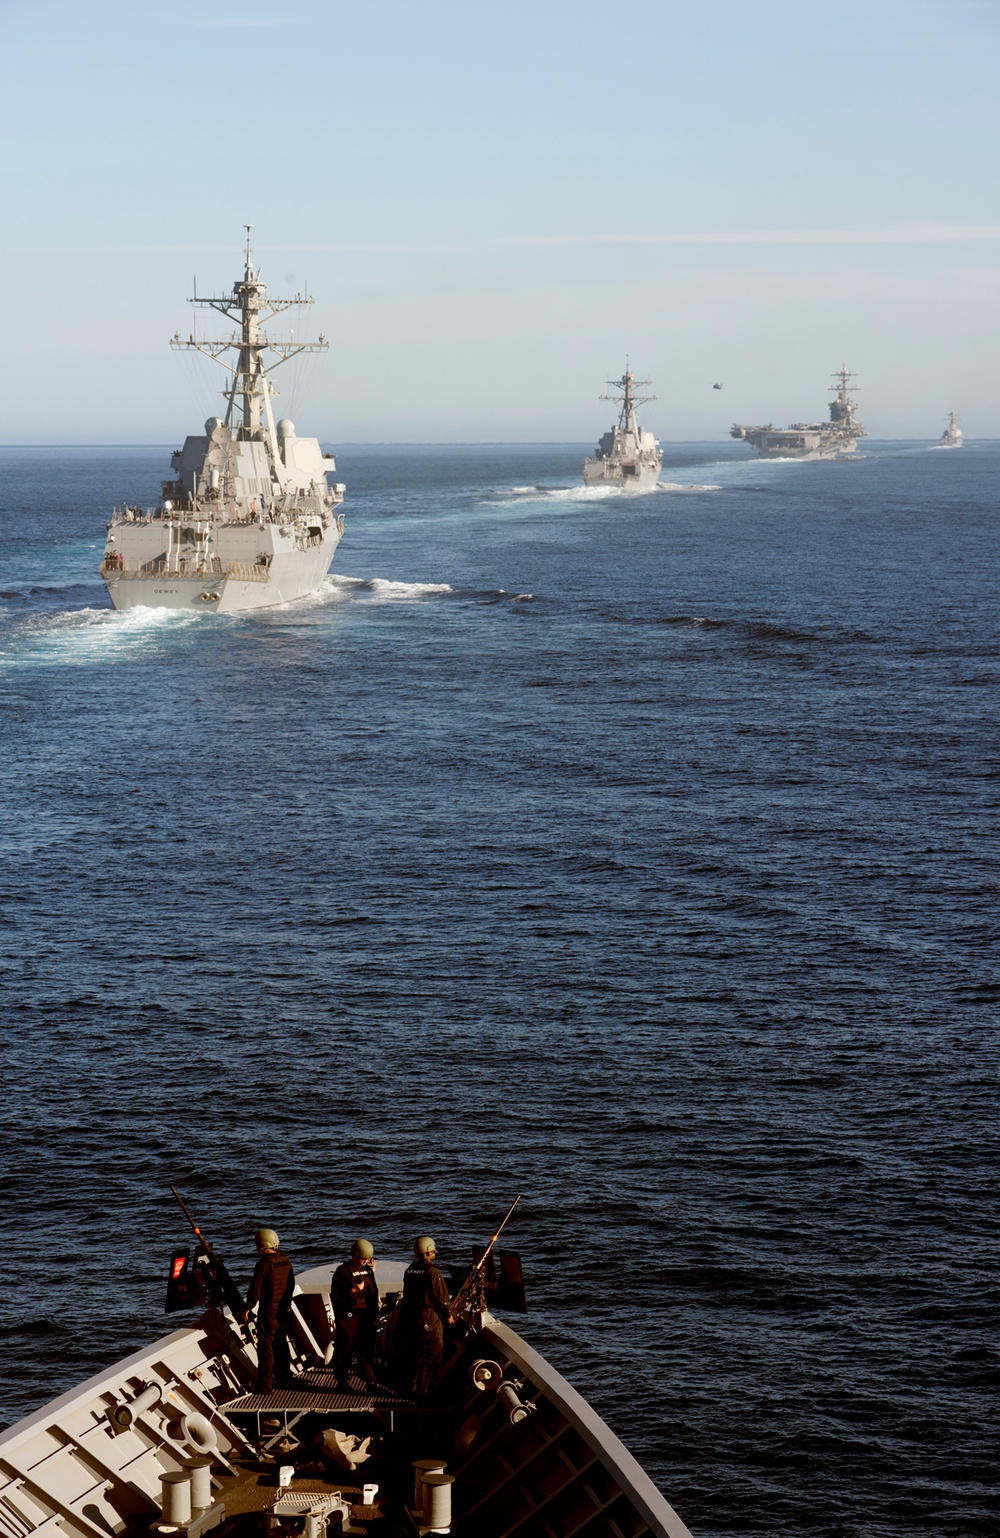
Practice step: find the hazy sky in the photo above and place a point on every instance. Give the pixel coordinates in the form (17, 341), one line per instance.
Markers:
(495, 202)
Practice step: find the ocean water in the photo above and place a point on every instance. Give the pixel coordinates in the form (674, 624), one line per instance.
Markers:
(637, 854)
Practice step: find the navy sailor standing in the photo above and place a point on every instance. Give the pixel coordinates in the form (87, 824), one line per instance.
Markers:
(354, 1295)
(271, 1290)
(425, 1313)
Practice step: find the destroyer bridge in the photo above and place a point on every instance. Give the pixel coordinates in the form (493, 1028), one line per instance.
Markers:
(174, 1442)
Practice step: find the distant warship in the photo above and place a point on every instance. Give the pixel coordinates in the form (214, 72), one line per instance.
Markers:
(250, 519)
(811, 440)
(628, 455)
(951, 438)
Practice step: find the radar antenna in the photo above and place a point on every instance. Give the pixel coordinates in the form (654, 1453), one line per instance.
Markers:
(840, 378)
(627, 401)
(248, 306)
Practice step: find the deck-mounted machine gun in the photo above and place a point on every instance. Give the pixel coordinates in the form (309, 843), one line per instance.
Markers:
(485, 1284)
(202, 1281)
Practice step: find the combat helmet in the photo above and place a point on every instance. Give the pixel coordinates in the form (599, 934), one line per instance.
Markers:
(424, 1246)
(362, 1250)
(267, 1239)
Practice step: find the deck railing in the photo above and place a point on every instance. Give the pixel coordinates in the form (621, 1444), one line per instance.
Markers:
(239, 571)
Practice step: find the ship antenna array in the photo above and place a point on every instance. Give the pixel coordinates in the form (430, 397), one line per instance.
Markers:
(842, 375)
(627, 400)
(248, 306)
(627, 384)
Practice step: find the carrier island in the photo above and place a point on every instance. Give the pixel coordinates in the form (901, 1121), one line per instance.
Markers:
(250, 518)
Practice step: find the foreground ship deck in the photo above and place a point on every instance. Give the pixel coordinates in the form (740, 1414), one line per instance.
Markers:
(508, 1445)
(250, 519)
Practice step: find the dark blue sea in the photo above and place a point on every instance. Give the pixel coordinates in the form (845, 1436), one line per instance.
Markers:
(638, 854)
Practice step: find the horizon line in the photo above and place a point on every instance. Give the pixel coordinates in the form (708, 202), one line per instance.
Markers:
(918, 233)
(469, 443)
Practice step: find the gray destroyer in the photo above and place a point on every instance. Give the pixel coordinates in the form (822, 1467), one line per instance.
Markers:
(811, 440)
(951, 438)
(628, 455)
(251, 517)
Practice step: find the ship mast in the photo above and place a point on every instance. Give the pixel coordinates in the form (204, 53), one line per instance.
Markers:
(842, 409)
(248, 306)
(840, 378)
(628, 401)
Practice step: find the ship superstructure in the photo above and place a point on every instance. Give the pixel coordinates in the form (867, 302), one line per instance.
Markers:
(951, 438)
(811, 440)
(628, 455)
(250, 518)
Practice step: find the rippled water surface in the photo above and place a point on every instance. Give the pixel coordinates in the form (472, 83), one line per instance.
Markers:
(635, 853)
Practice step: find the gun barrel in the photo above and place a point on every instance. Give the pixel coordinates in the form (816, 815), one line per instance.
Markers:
(506, 1220)
(187, 1213)
(230, 1292)
(458, 1300)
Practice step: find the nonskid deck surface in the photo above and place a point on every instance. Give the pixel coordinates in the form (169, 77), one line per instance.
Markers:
(317, 1389)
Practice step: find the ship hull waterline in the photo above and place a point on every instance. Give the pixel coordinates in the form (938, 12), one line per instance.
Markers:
(291, 576)
(601, 475)
(783, 451)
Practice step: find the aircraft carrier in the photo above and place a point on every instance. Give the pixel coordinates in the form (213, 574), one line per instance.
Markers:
(250, 518)
(628, 455)
(811, 440)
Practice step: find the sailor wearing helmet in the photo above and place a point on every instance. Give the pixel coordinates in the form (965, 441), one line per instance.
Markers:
(354, 1295)
(424, 1313)
(271, 1291)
